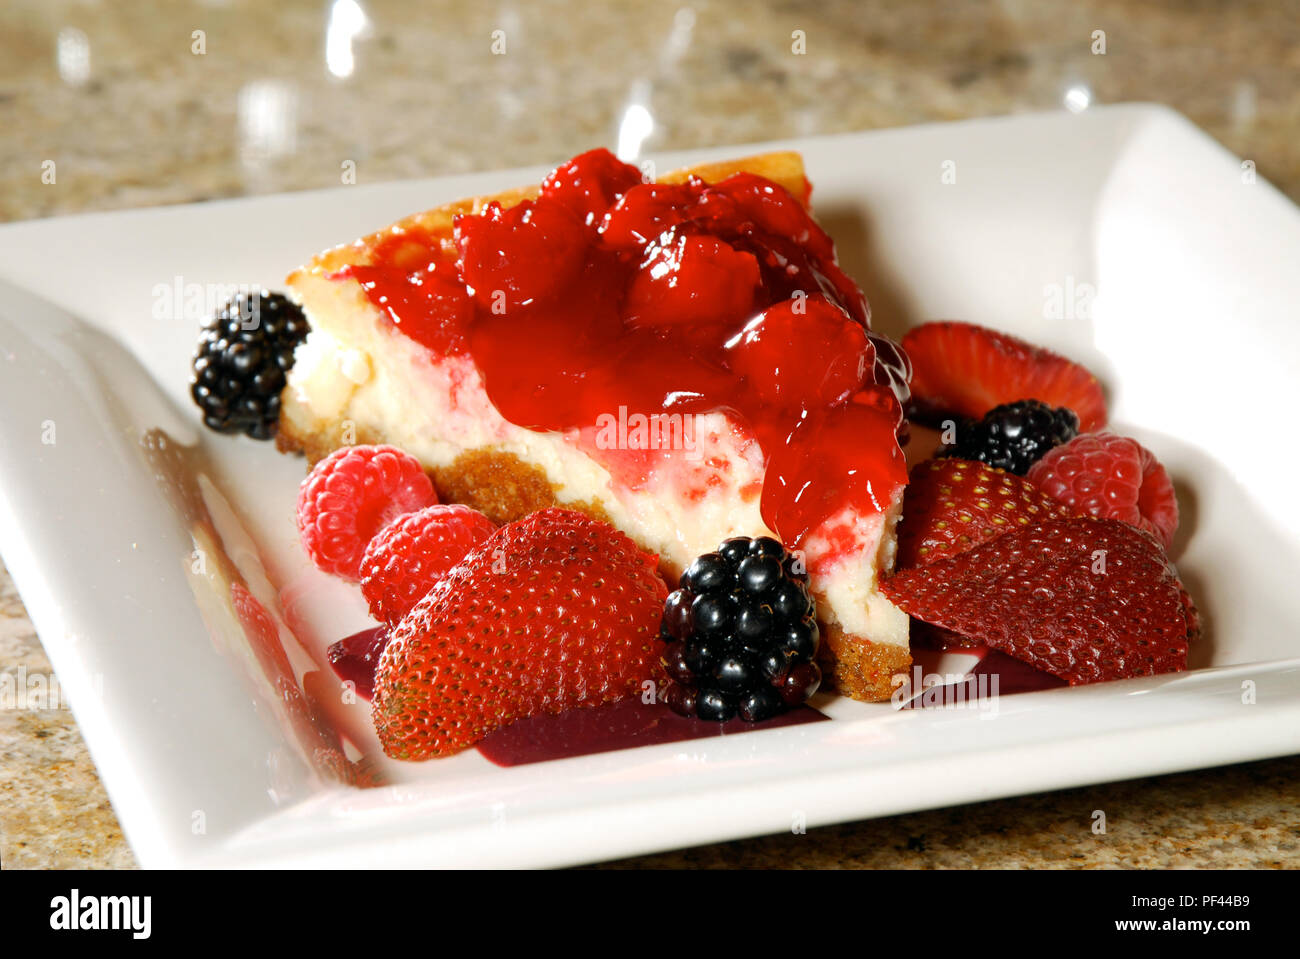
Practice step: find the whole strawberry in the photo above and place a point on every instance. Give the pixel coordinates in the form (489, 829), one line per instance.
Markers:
(553, 612)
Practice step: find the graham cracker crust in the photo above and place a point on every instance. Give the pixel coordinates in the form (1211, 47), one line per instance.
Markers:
(859, 668)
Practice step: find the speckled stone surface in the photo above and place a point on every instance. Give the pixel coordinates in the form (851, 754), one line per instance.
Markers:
(120, 98)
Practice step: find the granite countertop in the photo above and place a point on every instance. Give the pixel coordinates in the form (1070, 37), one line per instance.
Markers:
(136, 108)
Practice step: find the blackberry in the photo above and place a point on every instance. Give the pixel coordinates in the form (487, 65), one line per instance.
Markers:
(1014, 436)
(243, 355)
(741, 633)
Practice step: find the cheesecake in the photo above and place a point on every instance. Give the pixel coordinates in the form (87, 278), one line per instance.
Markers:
(682, 358)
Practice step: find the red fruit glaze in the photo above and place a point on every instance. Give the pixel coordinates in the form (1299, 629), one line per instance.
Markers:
(840, 456)
(547, 237)
(351, 495)
(409, 555)
(802, 352)
(606, 292)
(425, 297)
(1111, 476)
(965, 370)
(722, 290)
(1013, 676)
(590, 183)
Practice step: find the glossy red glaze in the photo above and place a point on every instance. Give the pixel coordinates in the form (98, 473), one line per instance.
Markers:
(606, 292)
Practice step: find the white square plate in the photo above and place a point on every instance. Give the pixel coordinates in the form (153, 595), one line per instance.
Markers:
(1122, 237)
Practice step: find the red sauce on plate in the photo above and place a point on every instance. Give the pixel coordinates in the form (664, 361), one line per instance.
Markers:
(625, 724)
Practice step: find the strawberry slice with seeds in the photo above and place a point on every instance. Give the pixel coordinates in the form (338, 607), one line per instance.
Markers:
(552, 612)
(1081, 598)
(965, 370)
(954, 505)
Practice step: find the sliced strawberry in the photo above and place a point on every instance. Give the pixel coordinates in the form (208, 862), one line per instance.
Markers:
(550, 613)
(954, 505)
(1083, 599)
(965, 370)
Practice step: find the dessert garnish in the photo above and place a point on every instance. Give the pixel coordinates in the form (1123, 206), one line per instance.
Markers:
(742, 634)
(953, 505)
(351, 495)
(239, 366)
(1013, 436)
(966, 370)
(1081, 598)
(552, 612)
(413, 552)
(1102, 474)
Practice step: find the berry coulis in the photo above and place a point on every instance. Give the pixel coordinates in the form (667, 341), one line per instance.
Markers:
(607, 292)
(624, 724)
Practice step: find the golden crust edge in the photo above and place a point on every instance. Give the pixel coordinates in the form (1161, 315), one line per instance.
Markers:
(784, 167)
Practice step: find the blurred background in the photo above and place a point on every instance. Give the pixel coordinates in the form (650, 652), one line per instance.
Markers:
(143, 103)
(150, 102)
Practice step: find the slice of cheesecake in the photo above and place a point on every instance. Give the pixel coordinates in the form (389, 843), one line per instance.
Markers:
(682, 358)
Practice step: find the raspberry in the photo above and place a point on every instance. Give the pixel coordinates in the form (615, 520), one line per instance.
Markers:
(350, 496)
(1110, 476)
(741, 633)
(410, 555)
(550, 613)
